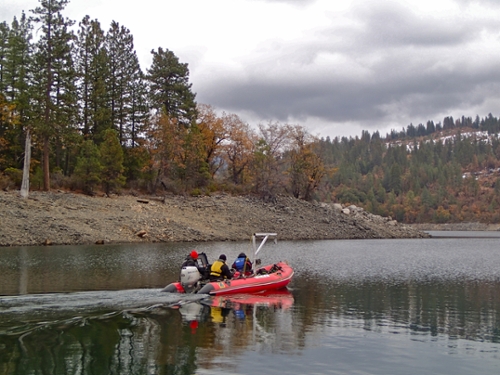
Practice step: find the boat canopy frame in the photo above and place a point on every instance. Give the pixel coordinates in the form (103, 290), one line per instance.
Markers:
(264, 237)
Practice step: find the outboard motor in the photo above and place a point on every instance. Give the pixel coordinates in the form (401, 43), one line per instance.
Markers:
(189, 278)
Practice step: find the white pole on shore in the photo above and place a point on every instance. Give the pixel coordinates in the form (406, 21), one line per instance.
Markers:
(25, 185)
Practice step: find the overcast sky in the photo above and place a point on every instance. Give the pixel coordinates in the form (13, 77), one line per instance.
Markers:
(335, 67)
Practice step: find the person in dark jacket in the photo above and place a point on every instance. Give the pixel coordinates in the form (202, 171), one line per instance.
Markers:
(219, 269)
(243, 264)
(192, 260)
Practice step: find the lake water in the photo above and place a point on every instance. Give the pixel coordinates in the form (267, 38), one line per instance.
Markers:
(419, 306)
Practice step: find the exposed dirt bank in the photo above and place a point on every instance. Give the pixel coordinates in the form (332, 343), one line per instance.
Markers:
(67, 218)
(458, 227)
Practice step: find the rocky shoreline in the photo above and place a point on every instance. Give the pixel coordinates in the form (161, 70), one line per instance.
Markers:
(62, 218)
(461, 227)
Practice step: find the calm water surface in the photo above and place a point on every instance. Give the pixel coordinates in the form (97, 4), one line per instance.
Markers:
(421, 306)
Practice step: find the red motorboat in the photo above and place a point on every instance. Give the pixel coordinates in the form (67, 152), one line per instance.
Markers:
(270, 277)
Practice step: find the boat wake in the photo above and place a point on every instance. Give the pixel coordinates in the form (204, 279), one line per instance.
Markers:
(27, 312)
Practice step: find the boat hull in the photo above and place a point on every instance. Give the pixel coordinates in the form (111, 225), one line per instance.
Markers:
(270, 277)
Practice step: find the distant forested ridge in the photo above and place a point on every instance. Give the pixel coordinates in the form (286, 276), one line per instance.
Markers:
(440, 173)
(100, 123)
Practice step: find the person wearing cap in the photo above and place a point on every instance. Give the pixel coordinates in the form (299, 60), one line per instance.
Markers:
(192, 260)
(243, 264)
(219, 269)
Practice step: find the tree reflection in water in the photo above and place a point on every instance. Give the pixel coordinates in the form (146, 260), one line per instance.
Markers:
(160, 340)
(374, 299)
(190, 335)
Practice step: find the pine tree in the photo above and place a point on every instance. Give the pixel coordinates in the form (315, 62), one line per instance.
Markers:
(125, 73)
(17, 62)
(4, 45)
(136, 154)
(126, 91)
(170, 90)
(112, 162)
(8, 126)
(15, 55)
(139, 107)
(88, 166)
(54, 77)
(93, 73)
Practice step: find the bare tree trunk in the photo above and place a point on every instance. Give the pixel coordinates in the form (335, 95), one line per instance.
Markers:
(25, 185)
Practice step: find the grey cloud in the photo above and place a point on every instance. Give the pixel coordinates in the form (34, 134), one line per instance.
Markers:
(380, 30)
(392, 24)
(393, 90)
(387, 64)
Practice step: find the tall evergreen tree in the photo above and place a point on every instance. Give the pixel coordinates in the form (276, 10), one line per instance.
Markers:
(15, 52)
(6, 108)
(125, 73)
(136, 154)
(139, 107)
(54, 90)
(15, 62)
(4, 43)
(18, 55)
(170, 90)
(93, 73)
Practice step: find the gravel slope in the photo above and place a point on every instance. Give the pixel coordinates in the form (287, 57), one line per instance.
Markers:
(68, 218)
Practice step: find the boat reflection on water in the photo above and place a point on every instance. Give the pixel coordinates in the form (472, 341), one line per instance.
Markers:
(280, 299)
(219, 309)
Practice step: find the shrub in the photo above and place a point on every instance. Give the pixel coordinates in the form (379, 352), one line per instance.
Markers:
(15, 176)
(5, 182)
(196, 192)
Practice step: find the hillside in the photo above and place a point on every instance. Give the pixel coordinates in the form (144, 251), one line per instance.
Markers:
(66, 218)
(436, 176)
